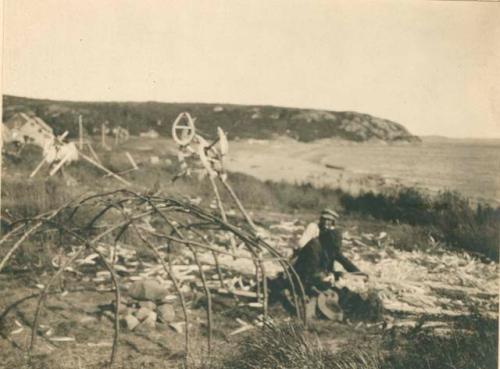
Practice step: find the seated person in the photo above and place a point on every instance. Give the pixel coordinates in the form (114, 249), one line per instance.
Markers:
(315, 261)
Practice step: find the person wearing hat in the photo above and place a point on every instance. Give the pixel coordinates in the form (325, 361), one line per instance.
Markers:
(315, 262)
(327, 220)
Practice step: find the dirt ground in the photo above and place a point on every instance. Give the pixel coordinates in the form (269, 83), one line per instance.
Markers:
(413, 286)
(85, 317)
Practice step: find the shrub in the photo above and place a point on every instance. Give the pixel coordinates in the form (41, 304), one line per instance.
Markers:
(304, 196)
(471, 344)
(279, 347)
(450, 217)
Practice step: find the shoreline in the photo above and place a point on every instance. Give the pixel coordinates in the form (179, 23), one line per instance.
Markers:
(294, 162)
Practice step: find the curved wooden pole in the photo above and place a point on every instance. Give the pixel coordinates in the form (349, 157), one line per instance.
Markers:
(209, 300)
(114, 279)
(170, 273)
(43, 295)
(18, 243)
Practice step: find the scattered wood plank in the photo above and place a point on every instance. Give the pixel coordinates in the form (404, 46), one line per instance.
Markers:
(132, 161)
(94, 154)
(241, 329)
(105, 169)
(238, 293)
(331, 166)
(62, 339)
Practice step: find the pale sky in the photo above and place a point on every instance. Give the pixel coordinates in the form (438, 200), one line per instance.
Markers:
(433, 66)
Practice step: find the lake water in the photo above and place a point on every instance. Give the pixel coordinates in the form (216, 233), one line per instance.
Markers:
(471, 167)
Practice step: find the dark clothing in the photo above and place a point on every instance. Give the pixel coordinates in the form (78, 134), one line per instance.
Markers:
(317, 258)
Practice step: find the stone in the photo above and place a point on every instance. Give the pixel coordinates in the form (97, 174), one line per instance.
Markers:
(109, 314)
(122, 307)
(150, 320)
(130, 322)
(149, 289)
(178, 327)
(148, 305)
(166, 313)
(143, 313)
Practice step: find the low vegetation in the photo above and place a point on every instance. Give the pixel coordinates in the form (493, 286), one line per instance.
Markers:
(471, 344)
(448, 218)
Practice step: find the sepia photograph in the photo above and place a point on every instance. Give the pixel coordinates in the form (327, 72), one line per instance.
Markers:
(222, 184)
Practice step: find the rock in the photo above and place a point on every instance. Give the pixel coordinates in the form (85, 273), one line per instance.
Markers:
(122, 307)
(130, 322)
(88, 320)
(147, 290)
(178, 327)
(148, 305)
(143, 313)
(109, 314)
(166, 313)
(150, 321)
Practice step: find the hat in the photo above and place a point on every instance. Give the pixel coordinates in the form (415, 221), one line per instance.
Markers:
(329, 214)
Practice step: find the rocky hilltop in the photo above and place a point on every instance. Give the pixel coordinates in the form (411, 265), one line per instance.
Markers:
(240, 121)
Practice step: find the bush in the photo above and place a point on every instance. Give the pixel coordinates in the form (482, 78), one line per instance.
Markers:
(471, 344)
(303, 196)
(279, 347)
(449, 217)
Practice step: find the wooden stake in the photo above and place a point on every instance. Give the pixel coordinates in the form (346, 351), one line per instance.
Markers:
(80, 128)
(39, 166)
(223, 213)
(105, 169)
(59, 165)
(131, 159)
(238, 203)
(103, 135)
(91, 149)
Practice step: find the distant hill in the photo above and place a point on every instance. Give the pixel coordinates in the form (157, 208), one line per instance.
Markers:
(239, 121)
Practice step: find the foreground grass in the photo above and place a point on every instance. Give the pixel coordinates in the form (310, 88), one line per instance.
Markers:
(290, 346)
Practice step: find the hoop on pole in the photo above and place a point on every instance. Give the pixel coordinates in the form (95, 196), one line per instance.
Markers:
(223, 144)
(183, 134)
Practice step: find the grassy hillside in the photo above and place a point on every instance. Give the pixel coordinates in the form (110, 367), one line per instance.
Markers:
(261, 122)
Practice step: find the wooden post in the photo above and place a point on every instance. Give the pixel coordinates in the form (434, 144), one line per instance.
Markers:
(238, 202)
(91, 149)
(59, 165)
(132, 161)
(105, 169)
(223, 213)
(39, 166)
(80, 128)
(103, 135)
